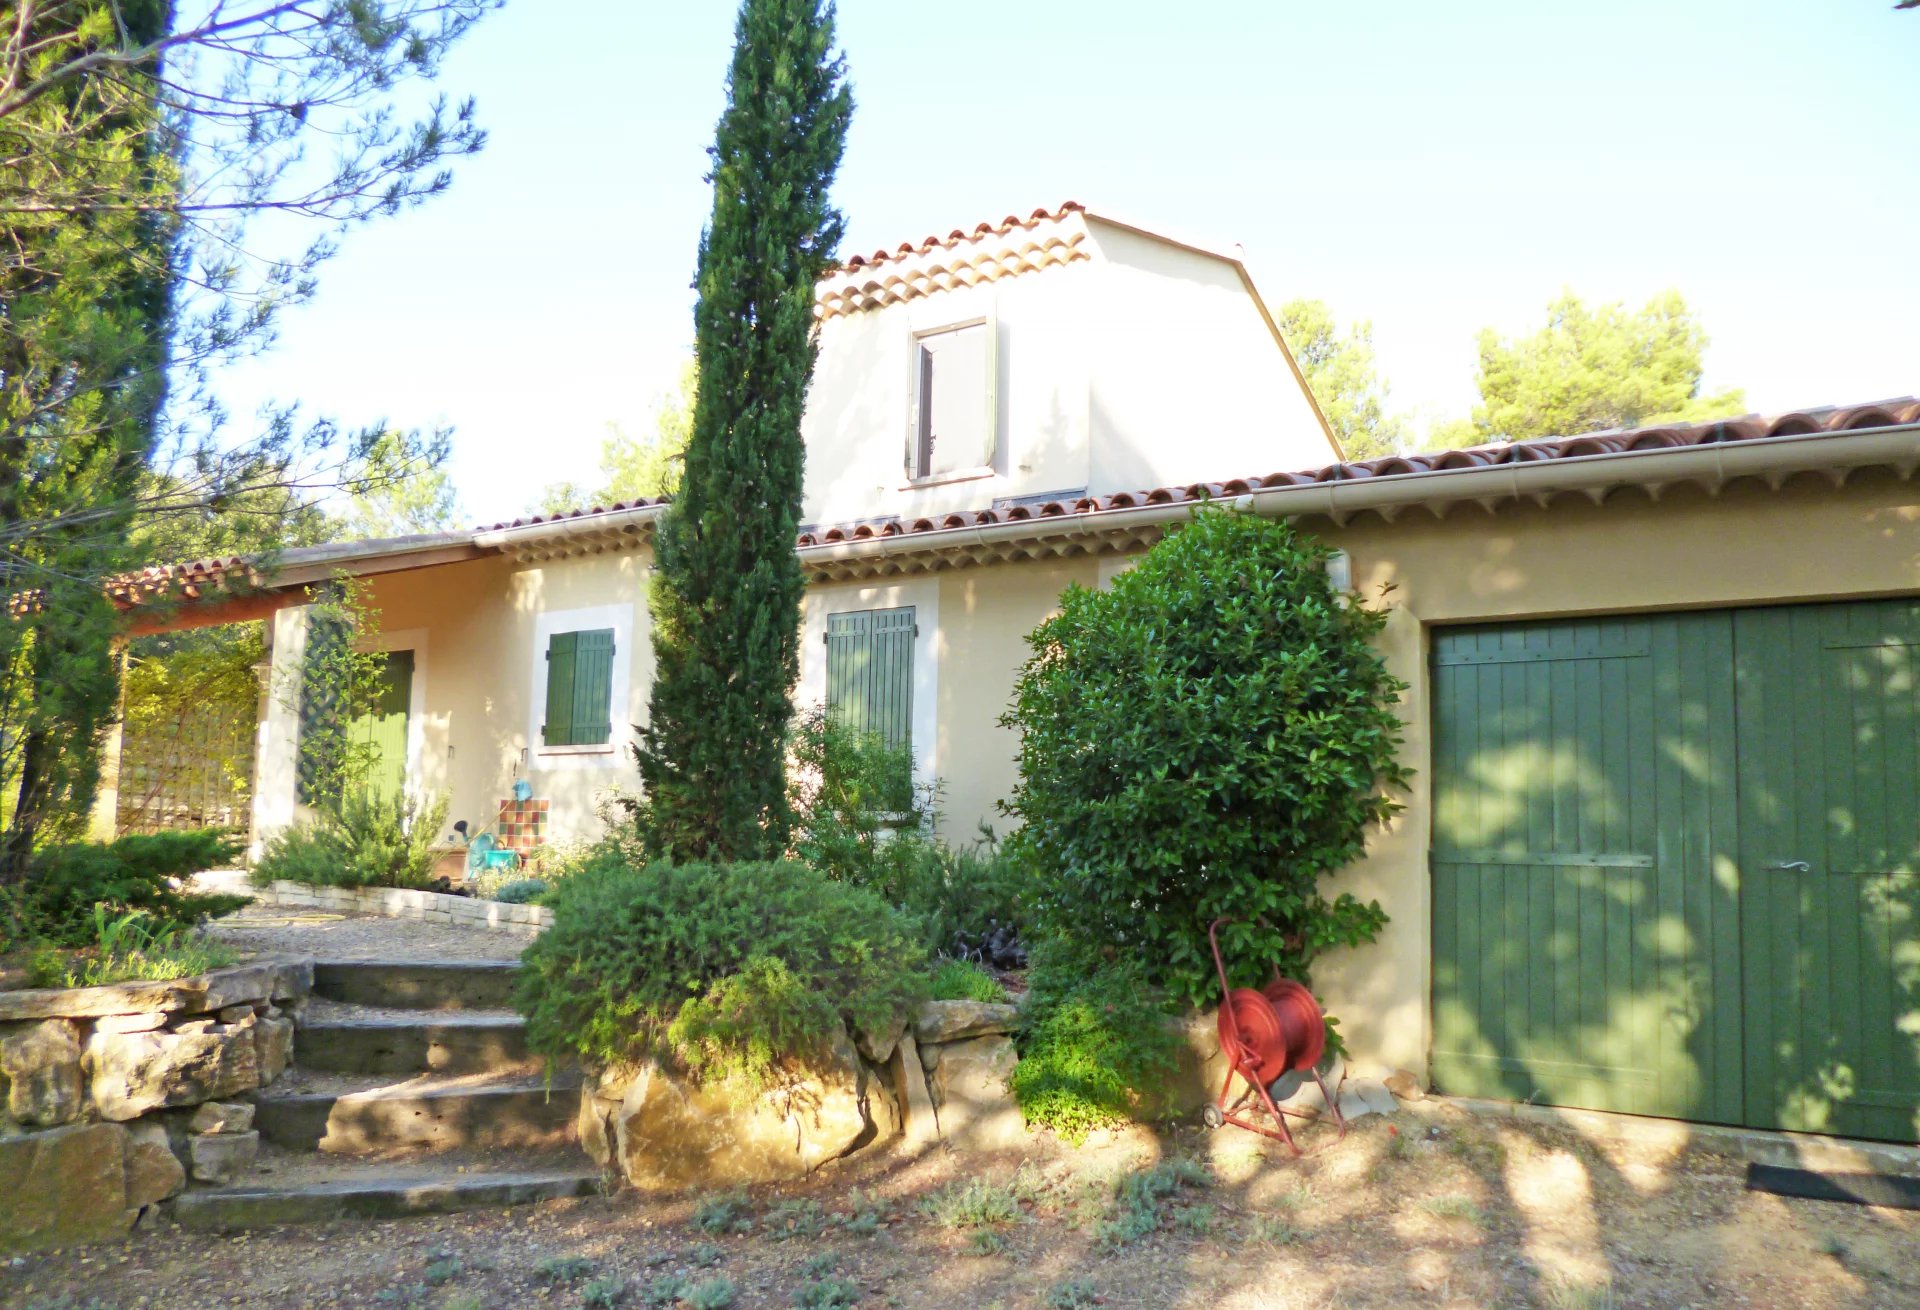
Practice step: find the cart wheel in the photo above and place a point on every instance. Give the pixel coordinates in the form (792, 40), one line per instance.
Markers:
(1212, 1117)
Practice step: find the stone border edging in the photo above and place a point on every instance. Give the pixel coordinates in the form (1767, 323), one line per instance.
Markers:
(389, 902)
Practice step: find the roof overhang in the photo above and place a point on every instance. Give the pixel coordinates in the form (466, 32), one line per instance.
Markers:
(1711, 467)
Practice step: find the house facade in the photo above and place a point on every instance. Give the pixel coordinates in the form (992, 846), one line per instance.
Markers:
(1661, 848)
(1002, 369)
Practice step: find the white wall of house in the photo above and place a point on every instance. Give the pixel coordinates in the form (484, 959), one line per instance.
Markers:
(1132, 362)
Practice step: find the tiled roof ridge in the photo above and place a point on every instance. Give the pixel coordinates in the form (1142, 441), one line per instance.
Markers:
(933, 241)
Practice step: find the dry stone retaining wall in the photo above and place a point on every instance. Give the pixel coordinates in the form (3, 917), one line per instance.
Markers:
(392, 903)
(110, 1096)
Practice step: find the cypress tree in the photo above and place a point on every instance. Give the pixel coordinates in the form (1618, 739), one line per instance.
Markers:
(726, 596)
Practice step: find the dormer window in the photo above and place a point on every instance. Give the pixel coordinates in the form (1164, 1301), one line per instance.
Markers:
(951, 436)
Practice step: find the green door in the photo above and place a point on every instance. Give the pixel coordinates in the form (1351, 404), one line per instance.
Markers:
(1586, 947)
(384, 726)
(1830, 844)
(1674, 865)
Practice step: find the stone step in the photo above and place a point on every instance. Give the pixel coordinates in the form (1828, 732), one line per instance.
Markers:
(453, 1042)
(426, 1112)
(412, 984)
(381, 1192)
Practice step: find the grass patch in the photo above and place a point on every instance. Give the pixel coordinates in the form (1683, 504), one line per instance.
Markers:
(713, 1294)
(864, 1213)
(1073, 1294)
(131, 947)
(1271, 1230)
(1139, 1200)
(1195, 1219)
(978, 1203)
(717, 1214)
(963, 980)
(665, 1290)
(1563, 1295)
(603, 1294)
(986, 1241)
(1456, 1207)
(705, 1255)
(827, 1294)
(563, 1270)
(788, 1219)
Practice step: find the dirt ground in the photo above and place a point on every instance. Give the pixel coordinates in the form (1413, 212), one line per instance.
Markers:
(1431, 1208)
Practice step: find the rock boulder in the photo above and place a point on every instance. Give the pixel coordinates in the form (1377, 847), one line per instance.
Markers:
(42, 1065)
(134, 1073)
(154, 1172)
(222, 1157)
(63, 1186)
(669, 1134)
(952, 1021)
(970, 1098)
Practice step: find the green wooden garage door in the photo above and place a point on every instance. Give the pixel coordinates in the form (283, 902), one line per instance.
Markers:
(1675, 865)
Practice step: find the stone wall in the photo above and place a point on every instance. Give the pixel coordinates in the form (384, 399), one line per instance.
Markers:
(940, 1078)
(111, 1096)
(390, 902)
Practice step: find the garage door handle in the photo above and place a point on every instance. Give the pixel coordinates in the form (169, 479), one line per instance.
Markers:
(1791, 866)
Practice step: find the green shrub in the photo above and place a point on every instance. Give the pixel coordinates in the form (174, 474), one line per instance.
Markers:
(963, 980)
(827, 1294)
(857, 818)
(521, 891)
(371, 840)
(1093, 1040)
(66, 883)
(977, 1202)
(1211, 735)
(723, 970)
(603, 1293)
(713, 1294)
(556, 1270)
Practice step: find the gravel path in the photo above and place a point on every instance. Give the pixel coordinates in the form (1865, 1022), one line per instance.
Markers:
(330, 935)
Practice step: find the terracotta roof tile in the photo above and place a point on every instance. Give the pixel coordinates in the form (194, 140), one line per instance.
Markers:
(987, 253)
(1750, 427)
(189, 577)
(1008, 224)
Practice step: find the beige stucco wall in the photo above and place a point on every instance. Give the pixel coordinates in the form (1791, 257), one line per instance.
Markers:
(478, 633)
(1749, 545)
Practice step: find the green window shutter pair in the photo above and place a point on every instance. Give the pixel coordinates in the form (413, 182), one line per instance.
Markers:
(579, 688)
(870, 672)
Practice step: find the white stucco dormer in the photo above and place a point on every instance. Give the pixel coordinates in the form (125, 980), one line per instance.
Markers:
(1062, 354)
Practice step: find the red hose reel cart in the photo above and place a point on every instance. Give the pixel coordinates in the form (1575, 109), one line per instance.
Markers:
(1273, 1040)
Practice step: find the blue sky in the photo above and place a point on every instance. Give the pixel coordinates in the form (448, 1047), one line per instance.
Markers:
(1434, 168)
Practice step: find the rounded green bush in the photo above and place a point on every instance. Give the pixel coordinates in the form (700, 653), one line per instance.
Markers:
(520, 891)
(1209, 736)
(723, 970)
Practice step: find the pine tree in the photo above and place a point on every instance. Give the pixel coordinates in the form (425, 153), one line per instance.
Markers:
(726, 597)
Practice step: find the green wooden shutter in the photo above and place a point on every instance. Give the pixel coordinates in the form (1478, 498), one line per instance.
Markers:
(558, 730)
(593, 687)
(870, 672)
(579, 688)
